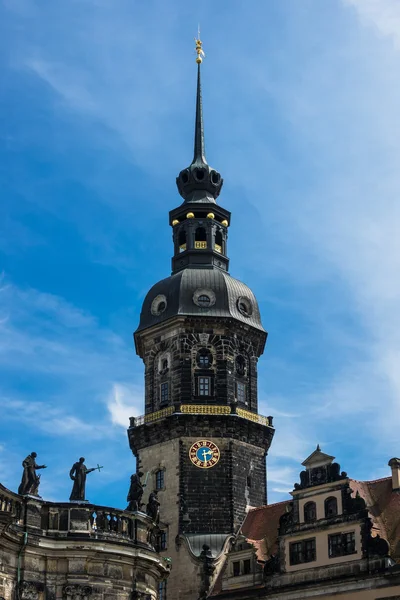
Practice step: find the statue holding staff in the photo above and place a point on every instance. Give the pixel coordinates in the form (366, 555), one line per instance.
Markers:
(78, 475)
(135, 492)
(30, 480)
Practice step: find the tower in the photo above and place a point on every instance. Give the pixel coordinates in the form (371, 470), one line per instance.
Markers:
(201, 441)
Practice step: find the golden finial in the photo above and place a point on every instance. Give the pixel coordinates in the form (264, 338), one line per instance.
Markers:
(199, 48)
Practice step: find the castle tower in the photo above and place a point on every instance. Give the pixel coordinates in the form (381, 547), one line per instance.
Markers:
(201, 441)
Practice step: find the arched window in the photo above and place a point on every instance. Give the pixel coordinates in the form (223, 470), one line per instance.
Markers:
(204, 359)
(310, 512)
(218, 241)
(200, 238)
(331, 507)
(182, 241)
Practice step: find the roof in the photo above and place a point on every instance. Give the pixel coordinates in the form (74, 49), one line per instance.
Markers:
(317, 459)
(177, 291)
(260, 527)
(384, 506)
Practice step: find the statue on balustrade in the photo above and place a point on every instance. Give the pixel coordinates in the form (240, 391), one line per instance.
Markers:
(135, 492)
(153, 507)
(30, 480)
(78, 475)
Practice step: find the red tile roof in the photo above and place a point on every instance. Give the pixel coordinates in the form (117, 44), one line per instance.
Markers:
(384, 507)
(260, 527)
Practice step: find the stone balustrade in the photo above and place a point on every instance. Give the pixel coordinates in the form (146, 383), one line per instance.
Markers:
(70, 519)
(194, 409)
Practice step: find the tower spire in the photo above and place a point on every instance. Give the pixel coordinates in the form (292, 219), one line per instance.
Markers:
(199, 146)
(199, 182)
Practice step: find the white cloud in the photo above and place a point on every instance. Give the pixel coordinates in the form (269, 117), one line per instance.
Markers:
(125, 401)
(384, 15)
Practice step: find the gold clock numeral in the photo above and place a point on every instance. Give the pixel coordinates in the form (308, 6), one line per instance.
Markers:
(203, 462)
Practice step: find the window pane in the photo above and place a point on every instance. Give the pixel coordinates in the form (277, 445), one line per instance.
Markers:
(236, 569)
(204, 386)
(246, 566)
(240, 391)
(160, 479)
(301, 552)
(164, 393)
(310, 512)
(330, 507)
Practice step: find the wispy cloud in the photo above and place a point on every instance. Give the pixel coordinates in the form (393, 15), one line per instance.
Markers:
(304, 126)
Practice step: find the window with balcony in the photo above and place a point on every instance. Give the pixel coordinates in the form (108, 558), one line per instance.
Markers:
(302, 552)
(310, 512)
(341, 544)
(331, 509)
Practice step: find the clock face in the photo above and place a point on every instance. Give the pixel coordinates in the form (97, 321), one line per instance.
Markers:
(204, 454)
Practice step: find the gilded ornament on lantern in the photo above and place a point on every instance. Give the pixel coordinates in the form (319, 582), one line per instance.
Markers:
(199, 49)
(175, 222)
(190, 215)
(225, 222)
(210, 216)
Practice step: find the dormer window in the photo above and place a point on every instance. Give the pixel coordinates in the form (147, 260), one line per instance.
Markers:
(310, 512)
(204, 300)
(331, 508)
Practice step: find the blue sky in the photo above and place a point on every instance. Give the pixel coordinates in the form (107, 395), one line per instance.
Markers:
(301, 118)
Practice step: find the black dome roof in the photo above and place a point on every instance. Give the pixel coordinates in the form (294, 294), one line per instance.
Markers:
(200, 292)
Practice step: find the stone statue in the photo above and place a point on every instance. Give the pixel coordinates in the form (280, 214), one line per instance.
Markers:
(153, 507)
(78, 475)
(30, 481)
(135, 492)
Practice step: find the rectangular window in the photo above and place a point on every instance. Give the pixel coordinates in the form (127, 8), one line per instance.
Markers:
(162, 541)
(162, 590)
(246, 566)
(160, 479)
(241, 392)
(164, 393)
(236, 568)
(302, 552)
(204, 386)
(341, 544)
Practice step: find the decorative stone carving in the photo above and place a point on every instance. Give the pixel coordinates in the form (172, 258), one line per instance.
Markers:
(77, 592)
(30, 590)
(204, 337)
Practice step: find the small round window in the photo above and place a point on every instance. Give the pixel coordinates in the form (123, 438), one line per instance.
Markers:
(245, 306)
(158, 305)
(204, 298)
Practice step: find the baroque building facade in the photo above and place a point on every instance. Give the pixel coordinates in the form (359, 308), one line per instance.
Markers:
(76, 551)
(201, 441)
(337, 538)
